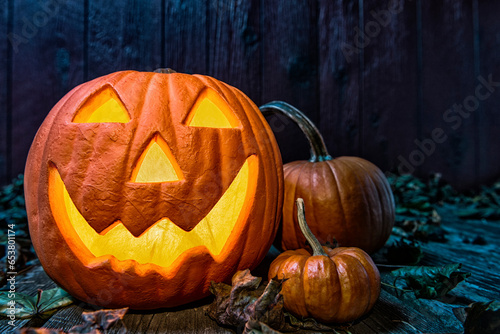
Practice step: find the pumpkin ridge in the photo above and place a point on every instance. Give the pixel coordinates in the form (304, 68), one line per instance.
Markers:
(294, 226)
(230, 99)
(339, 299)
(343, 268)
(335, 274)
(390, 214)
(333, 170)
(376, 202)
(310, 194)
(366, 200)
(304, 182)
(256, 120)
(262, 123)
(36, 167)
(208, 81)
(303, 274)
(84, 165)
(366, 262)
(52, 129)
(379, 196)
(360, 265)
(385, 188)
(125, 172)
(288, 171)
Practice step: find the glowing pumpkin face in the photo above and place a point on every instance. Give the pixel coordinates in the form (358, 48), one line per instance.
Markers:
(141, 188)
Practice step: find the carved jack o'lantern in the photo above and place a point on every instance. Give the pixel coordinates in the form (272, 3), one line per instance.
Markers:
(141, 188)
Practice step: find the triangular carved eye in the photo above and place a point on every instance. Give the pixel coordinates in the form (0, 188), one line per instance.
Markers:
(104, 106)
(211, 111)
(157, 164)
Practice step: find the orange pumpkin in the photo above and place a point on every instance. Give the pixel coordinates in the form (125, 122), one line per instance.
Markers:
(331, 285)
(141, 188)
(347, 198)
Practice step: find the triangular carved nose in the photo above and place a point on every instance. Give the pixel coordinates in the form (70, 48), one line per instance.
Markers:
(157, 164)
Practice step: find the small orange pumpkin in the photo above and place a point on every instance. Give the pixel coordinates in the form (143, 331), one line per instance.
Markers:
(142, 188)
(331, 285)
(347, 198)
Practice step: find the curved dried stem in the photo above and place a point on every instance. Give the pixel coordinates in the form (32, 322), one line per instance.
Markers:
(164, 70)
(318, 147)
(311, 238)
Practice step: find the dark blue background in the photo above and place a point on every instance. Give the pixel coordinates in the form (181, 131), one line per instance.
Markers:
(375, 76)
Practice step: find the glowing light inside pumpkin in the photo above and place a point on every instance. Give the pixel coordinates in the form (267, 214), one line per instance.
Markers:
(104, 106)
(157, 164)
(164, 242)
(211, 111)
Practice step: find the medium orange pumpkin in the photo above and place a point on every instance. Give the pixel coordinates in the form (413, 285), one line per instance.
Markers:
(347, 198)
(331, 285)
(143, 187)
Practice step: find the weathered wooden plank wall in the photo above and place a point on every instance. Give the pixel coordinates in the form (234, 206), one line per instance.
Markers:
(448, 73)
(488, 120)
(339, 77)
(377, 76)
(185, 41)
(5, 77)
(293, 74)
(123, 35)
(46, 41)
(389, 77)
(233, 48)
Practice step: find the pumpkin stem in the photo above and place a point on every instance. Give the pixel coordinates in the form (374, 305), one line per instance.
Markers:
(164, 70)
(311, 238)
(318, 147)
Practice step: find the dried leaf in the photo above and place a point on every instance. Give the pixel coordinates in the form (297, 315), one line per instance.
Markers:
(30, 330)
(19, 307)
(100, 321)
(477, 212)
(424, 230)
(14, 223)
(404, 251)
(256, 308)
(43, 304)
(51, 300)
(431, 282)
(257, 327)
(411, 192)
(430, 232)
(246, 300)
(13, 210)
(480, 318)
(308, 323)
(417, 199)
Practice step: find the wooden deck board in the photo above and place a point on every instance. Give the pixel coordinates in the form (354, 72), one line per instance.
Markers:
(395, 312)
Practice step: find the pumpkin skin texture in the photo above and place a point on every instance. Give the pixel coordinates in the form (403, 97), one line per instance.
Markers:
(333, 285)
(143, 187)
(348, 199)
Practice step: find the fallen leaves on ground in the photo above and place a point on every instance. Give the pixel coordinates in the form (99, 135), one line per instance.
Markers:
(248, 305)
(430, 282)
(97, 322)
(42, 305)
(100, 321)
(480, 318)
(404, 252)
(246, 301)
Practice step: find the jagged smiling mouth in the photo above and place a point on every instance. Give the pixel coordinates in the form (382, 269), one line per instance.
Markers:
(164, 241)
